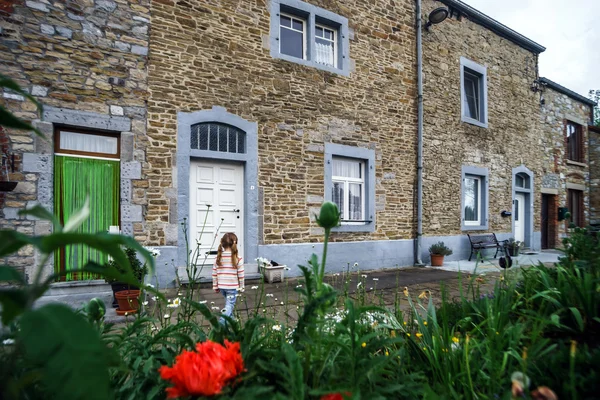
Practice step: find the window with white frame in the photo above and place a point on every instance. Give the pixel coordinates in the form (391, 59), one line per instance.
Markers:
(348, 191)
(309, 35)
(350, 183)
(474, 198)
(473, 93)
(292, 36)
(325, 46)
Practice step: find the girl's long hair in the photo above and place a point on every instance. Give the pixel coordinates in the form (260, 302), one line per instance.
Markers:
(228, 241)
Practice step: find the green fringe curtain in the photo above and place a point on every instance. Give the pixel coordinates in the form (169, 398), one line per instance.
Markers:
(74, 179)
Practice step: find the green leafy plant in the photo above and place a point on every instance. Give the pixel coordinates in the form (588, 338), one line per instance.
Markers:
(440, 248)
(138, 269)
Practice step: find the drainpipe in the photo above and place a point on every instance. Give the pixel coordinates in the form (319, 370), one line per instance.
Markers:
(418, 261)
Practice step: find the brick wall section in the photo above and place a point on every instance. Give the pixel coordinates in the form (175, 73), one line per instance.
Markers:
(512, 136)
(594, 166)
(215, 54)
(78, 54)
(559, 108)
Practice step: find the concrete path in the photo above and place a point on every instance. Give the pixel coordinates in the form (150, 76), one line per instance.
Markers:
(280, 301)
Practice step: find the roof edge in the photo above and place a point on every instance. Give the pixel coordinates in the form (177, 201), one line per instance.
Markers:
(495, 26)
(568, 92)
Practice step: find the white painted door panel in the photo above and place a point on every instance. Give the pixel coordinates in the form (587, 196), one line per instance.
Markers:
(519, 217)
(216, 207)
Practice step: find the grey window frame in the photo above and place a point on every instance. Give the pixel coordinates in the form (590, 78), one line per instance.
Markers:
(483, 175)
(480, 71)
(313, 16)
(367, 156)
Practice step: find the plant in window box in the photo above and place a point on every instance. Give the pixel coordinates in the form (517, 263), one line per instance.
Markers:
(514, 246)
(438, 251)
(125, 296)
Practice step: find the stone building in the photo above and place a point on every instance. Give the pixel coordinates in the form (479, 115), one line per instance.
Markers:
(483, 157)
(565, 116)
(86, 62)
(244, 116)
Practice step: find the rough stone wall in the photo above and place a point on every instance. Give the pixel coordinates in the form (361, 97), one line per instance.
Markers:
(511, 139)
(216, 53)
(594, 164)
(558, 170)
(80, 55)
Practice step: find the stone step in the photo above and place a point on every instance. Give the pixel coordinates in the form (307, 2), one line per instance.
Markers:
(76, 300)
(75, 287)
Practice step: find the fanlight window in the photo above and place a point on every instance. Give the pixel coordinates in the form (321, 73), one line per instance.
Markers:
(218, 137)
(522, 181)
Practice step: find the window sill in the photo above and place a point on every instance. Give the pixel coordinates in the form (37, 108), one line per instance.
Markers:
(577, 163)
(367, 227)
(474, 122)
(310, 63)
(474, 227)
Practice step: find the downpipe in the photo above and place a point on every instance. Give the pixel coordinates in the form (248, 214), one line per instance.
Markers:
(418, 239)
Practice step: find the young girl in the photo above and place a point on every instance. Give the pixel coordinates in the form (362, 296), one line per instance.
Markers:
(228, 272)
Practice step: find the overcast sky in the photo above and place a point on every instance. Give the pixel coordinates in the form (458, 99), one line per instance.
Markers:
(568, 29)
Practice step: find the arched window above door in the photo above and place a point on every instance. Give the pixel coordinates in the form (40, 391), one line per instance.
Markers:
(220, 137)
(522, 181)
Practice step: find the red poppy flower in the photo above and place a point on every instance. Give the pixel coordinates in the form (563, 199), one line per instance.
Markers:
(203, 372)
(336, 396)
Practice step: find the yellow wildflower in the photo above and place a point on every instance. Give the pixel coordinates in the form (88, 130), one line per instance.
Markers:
(387, 353)
(423, 295)
(425, 323)
(393, 333)
(364, 345)
(405, 291)
(404, 323)
(408, 334)
(419, 334)
(455, 339)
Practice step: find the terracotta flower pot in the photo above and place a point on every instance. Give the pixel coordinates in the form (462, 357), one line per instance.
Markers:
(128, 300)
(437, 260)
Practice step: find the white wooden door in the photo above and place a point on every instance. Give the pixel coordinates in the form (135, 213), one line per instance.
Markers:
(216, 207)
(519, 217)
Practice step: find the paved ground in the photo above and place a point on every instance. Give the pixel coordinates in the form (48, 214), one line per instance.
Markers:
(382, 287)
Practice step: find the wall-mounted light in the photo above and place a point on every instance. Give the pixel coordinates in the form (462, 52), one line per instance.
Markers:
(437, 16)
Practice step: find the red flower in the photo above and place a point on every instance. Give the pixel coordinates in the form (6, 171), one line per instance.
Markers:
(203, 372)
(336, 396)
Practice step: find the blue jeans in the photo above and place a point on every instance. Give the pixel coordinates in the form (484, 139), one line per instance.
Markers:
(230, 298)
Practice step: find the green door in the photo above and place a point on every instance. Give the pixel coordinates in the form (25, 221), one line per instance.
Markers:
(74, 179)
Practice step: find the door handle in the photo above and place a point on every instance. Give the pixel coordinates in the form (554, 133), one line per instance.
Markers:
(237, 210)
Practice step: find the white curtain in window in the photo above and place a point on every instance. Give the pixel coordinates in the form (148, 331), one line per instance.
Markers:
(347, 169)
(325, 53)
(89, 143)
(355, 200)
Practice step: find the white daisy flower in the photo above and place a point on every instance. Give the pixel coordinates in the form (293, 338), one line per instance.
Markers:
(375, 279)
(176, 302)
(8, 342)
(145, 303)
(203, 302)
(269, 295)
(214, 308)
(167, 316)
(150, 285)
(277, 328)
(299, 286)
(363, 276)
(254, 287)
(282, 303)
(359, 285)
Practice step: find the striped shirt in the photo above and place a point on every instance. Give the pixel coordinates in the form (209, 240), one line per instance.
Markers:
(227, 276)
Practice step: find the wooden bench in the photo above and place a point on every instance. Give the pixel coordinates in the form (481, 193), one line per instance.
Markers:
(484, 241)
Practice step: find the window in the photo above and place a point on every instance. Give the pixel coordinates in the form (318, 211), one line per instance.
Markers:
(473, 93)
(325, 45)
(292, 36)
(350, 183)
(87, 143)
(309, 35)
(522, 181)
(218, 137)
(474, 198)
(575, 205)
(348, 188)
(574, 142)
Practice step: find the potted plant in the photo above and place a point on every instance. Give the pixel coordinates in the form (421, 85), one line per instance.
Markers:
(437, 251)
(272, 271)
(513, 247)
(127, 294)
